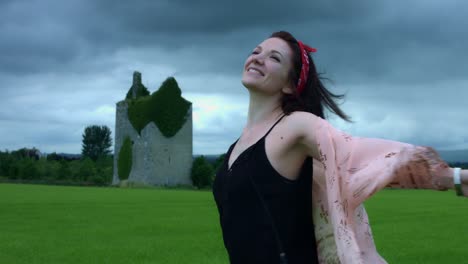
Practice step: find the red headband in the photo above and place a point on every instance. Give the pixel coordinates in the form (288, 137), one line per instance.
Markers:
(304, 49)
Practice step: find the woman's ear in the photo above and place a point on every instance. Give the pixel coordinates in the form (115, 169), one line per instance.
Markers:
(287, 89)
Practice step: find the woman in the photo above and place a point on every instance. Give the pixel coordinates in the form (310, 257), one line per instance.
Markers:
(264, 190)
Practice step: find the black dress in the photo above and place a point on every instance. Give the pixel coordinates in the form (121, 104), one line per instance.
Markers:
(247, 222)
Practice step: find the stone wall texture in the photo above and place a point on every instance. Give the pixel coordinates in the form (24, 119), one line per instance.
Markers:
(156, 159)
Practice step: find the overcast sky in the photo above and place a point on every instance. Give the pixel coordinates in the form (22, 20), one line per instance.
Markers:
(65, 64)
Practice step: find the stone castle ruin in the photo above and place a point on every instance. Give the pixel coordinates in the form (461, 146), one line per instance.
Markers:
(153, 136)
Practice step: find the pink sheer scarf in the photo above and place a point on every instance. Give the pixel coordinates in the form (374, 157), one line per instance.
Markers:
(350, 171)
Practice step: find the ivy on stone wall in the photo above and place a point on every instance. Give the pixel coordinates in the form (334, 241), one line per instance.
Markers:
(124, 162)
(166, 108)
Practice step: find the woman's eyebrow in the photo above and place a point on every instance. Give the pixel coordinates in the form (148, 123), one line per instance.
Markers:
(275, 51)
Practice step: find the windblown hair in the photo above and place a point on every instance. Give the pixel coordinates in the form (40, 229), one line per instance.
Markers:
(315, 97)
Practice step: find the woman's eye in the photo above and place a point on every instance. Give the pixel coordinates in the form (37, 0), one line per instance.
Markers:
(255, 52)
(275, 58)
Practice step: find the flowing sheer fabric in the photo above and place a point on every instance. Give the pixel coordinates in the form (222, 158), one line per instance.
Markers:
(353, 169)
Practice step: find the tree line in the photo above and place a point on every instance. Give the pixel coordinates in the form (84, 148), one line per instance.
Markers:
(94, 167)
(95, 164)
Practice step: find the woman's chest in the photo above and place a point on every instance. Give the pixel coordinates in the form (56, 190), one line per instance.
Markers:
(278, 152)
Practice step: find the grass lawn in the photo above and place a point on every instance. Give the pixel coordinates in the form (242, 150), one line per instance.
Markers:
(420, 226)
(53, 224)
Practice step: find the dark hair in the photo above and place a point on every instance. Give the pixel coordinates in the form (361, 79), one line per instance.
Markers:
(315, 96)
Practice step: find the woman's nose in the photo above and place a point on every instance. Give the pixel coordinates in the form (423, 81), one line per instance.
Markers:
(258, 58)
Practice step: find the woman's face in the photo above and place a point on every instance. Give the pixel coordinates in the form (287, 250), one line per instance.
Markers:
(267, 68)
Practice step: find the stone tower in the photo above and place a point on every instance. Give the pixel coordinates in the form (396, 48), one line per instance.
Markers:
(156, 158)
(136, 84)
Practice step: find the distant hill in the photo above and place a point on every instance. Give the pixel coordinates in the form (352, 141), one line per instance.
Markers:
(454, 155)
(66, 156)
(210, 158)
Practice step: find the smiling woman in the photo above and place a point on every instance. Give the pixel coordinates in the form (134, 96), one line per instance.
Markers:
(291, 187)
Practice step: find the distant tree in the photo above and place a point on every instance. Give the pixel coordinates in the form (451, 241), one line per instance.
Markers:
(41, 166)
(54, 156)
(97, 142)
(27, 169)
(26, 153)
(219, 161)
(5, 162)
(52, 170)
(463, 165)
(13, 170)
(64, 171)
(202, 172)
(86, 170)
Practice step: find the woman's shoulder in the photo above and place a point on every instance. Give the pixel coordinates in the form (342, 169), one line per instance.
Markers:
(302, 114)
(301, 123)
(300, 127)
(301, 118)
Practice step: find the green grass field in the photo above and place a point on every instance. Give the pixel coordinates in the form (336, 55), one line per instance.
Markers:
(53, 224)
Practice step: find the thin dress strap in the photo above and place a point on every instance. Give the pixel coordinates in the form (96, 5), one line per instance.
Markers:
(271, 128)
(249, 149)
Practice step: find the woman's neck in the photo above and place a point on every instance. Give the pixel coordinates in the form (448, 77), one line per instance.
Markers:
(262, 109)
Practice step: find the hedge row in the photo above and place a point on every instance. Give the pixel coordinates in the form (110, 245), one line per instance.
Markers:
(81, 172)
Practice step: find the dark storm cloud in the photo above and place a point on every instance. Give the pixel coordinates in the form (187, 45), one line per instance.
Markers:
(359, 40)
(39, 35)
(218, 17)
